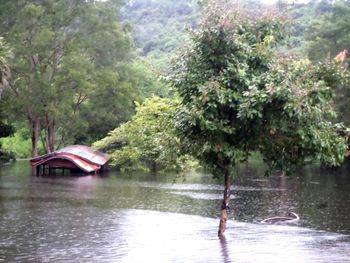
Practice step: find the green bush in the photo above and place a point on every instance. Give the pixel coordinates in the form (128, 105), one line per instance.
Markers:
(19, 144)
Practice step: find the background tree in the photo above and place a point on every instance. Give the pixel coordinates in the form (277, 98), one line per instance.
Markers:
(238, 97)
(5, 54)
(5, 128)
(158, 25)
(62, 51)
(328, 34)
(147, 140)
(325, 38)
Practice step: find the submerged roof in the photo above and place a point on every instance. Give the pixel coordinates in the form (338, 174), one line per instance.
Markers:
(81, 156)
(85, 153)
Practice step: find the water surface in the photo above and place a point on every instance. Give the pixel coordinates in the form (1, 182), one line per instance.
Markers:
(164, 218)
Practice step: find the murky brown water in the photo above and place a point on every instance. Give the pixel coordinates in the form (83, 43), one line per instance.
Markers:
(145, 218)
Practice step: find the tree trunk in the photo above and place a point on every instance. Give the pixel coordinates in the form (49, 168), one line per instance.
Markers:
(49, 135)
(225, 205)
(34, 130)
(154, 167)
(50, 138)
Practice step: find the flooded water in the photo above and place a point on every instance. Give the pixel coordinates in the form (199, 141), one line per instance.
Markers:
(164, 218)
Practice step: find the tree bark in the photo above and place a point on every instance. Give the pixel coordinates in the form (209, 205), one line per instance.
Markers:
(34, 130)
(225, 205)
(50, 137)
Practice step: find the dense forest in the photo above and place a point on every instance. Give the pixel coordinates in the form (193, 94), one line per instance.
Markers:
(91, 72)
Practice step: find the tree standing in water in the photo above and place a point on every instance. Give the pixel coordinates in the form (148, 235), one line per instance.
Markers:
(239, 96)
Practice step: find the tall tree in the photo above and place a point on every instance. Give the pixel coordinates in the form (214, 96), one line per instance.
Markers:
(5, 54)
(239, 97)
(61, 51)
(5, 128)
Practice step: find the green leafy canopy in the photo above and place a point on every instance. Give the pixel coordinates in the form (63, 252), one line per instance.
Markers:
(148, 140)
(70, 67)
(239, 96)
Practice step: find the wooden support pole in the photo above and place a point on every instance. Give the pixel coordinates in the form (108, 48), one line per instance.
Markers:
(34, 170)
